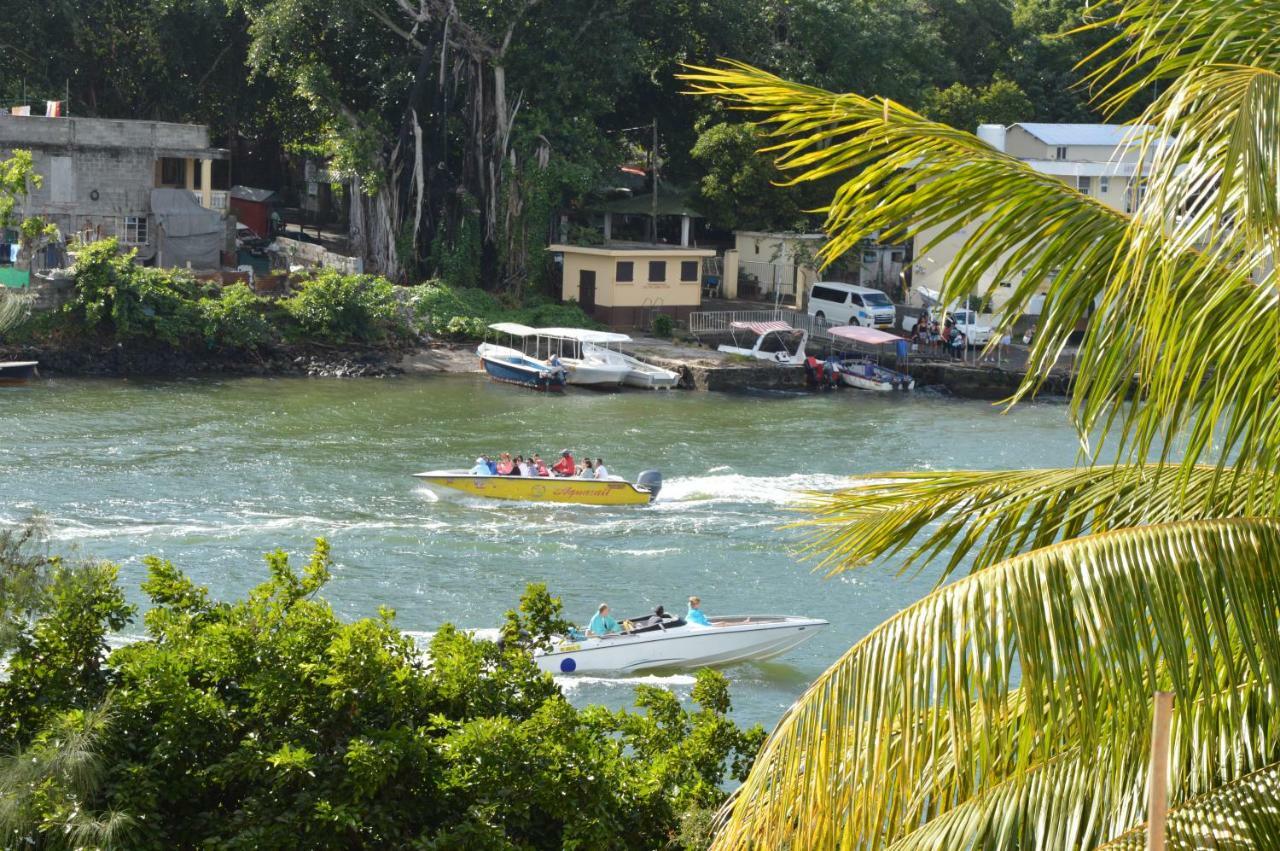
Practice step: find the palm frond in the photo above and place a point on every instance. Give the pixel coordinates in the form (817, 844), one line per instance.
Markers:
(1036, 665)
(1240, 816)
(14, 308)
(1155, 41)
(990, 516)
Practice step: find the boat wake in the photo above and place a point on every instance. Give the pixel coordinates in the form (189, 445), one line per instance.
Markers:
(570, 684)
(735, 488)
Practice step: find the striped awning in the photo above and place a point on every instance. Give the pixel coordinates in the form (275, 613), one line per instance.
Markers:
(762, 327)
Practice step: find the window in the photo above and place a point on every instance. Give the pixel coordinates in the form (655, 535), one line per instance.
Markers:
(855, 299)
(897, 256)
(1085, 184)
(135, 230)
(877, 299)
(657, 271)
(1104, 185)
(1060, 153)
(828, 294)
(689, 270)
(869, 257)
(173, 172)
(625, 273)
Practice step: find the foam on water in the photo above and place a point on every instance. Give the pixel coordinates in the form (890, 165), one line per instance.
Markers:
(736, 488)
(569, 684)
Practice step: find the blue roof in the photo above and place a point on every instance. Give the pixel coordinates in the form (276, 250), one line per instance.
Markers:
(1100, 135)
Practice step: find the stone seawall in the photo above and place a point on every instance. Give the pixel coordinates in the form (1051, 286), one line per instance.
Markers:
(119, 362)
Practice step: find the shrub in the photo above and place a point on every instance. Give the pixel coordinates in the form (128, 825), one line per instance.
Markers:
(235, 319)
(335, 308)
(663, 325)
(114, 295)
(436, 304)
(464, 328)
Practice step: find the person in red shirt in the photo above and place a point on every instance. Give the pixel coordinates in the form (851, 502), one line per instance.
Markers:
(565, 466)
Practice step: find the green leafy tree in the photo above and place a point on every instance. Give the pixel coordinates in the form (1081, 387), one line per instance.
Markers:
(269, 722)
(336, 308)
(740, 187)
(1012, 707)
(1002, 102)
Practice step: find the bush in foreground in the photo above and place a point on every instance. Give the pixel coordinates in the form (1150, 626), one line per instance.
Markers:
(268, 722)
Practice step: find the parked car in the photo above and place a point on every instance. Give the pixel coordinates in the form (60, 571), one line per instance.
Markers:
(839, 303)
(964, 319)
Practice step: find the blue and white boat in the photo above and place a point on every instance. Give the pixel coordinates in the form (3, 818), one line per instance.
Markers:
(513, 366)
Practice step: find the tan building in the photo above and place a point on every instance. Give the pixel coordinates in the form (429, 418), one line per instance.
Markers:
(624, 286)
(1098, 160)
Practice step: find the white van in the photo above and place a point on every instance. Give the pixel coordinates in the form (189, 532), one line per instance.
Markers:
(849, 304)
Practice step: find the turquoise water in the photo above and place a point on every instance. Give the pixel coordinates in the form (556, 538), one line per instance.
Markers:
(211, 474)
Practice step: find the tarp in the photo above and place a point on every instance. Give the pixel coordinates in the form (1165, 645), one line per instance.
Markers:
(859, 334)
(185, 231)
(763, 327)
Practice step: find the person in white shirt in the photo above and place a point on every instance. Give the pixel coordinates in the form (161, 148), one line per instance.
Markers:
(601, 471)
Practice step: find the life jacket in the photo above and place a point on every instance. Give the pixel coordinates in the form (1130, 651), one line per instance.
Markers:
(565, 465)
(504, 469)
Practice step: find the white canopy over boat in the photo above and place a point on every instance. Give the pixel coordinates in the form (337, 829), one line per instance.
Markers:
(776, 341)
(860, 334)
(669, 642)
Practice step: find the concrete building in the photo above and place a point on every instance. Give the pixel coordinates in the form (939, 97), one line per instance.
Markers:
(624, 286)
(101, 178)
(770, 265)
(1098, 160)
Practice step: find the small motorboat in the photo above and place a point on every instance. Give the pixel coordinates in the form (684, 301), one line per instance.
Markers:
(582, 348)
(512, 366)
(17, 371)
(545, 488)
(776, 342)
(638, 373)
(668, 642)
(863, 371)
(868, 375)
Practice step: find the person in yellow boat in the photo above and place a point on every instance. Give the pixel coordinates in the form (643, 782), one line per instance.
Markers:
(480, 469)
(586, 472)
(695, 615)
(601, 623)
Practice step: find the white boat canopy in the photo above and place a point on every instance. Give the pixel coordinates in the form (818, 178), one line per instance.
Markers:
(583, 335)
(763, 327)
(859, 334)
(515, 329)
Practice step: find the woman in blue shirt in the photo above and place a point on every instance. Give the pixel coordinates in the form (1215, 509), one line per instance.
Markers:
(695, 615)
(601, 623)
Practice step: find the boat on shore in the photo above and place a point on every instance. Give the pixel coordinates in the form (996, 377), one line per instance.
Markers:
(510, 365)
(580, 351)
(668, 642)
(545, 488)
(601, 351)
(17, 371)
(864, 371)
(775, 341)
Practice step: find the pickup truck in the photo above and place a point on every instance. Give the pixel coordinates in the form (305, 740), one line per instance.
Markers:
(964, 319)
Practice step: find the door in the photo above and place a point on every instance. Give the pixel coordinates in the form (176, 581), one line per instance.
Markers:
(587, 291)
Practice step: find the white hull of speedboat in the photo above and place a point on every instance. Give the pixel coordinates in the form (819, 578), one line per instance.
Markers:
(593, 373)
(636, 373)
(728, 641)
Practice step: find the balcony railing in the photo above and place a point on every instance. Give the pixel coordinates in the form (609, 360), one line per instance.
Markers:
(218, 199)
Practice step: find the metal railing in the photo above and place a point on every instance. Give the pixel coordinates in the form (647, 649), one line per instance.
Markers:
(713, 322)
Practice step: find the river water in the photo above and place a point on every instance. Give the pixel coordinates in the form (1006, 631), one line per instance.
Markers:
(211, 474)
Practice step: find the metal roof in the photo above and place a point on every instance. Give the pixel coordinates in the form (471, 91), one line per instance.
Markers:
(1099, 135)
(248, 193)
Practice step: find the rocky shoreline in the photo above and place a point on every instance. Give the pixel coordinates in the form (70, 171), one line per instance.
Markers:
(299, 361)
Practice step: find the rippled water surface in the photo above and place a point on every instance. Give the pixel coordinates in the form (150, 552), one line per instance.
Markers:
(211, 474)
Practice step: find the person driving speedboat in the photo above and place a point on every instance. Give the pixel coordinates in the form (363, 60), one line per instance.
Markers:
(480, 469)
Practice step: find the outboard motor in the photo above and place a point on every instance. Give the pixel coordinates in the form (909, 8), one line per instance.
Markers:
(651, 480)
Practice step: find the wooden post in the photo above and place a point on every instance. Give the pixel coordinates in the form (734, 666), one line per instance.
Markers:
(1158, 791)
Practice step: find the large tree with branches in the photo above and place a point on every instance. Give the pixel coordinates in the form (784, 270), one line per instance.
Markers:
(1011, 708)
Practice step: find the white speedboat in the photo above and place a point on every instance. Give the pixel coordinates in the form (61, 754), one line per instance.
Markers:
(639, 373)
(864, 372)
(582, 367)
(776, 342)
(672, 643)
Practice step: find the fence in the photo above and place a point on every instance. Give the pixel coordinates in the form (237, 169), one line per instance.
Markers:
(770, 281)
(717, 322)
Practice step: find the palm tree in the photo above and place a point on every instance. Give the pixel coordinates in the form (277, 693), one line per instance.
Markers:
(1011, 708)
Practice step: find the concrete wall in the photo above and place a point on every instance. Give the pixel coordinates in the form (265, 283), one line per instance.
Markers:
(37, 132)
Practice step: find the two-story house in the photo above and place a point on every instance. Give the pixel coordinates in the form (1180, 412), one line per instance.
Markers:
(1098, 160)
(147, 183)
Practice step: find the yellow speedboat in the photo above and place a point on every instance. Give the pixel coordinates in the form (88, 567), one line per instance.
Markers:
(545, 488)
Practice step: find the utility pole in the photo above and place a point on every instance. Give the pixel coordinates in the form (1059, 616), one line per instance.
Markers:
(653, 171)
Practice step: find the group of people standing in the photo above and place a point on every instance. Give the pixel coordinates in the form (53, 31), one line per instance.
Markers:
(948, 336)
(564, 467)
(602, 623)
